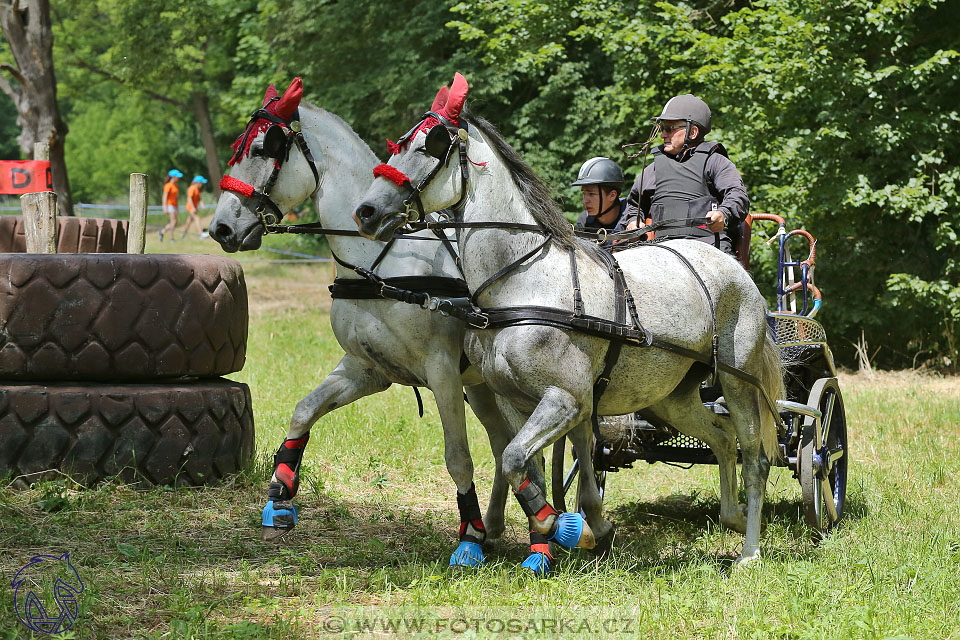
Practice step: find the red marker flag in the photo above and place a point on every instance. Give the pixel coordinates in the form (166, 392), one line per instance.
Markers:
(25, 176)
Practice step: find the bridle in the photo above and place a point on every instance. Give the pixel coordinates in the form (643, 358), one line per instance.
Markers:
(440, 147)
(278, 140)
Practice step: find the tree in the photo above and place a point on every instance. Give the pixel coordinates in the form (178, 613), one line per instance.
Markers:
(177, 52)
(26, 26)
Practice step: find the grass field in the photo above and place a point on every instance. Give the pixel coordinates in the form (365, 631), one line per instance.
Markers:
(379, 521)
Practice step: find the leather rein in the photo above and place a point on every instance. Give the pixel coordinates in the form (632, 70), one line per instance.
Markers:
(618, 332)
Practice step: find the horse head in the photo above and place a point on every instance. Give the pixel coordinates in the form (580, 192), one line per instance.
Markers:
(422, 175)
(257, 192)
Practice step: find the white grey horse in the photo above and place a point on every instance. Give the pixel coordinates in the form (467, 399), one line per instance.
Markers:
(385, 341)
(544, 375)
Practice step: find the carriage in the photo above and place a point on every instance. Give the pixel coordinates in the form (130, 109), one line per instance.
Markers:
(813, 444)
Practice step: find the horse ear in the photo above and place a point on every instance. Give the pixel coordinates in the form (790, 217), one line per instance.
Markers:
(441, 99)
(290, 100)
(269, 95)
(458, 94)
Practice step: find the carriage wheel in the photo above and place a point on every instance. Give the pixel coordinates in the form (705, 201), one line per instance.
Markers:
(565, 475)
(823, 459)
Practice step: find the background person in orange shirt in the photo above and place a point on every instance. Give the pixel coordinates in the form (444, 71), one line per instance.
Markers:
(170, 200)
(193, 204)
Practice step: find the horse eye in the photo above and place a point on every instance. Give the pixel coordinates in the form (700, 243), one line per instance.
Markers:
(421, 150)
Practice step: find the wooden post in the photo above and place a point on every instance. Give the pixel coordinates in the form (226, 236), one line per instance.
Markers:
(40, 221)
(41, 151)
(137, 229)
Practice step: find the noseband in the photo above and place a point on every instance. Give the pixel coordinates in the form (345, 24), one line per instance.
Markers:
(412, 204)
(266, 209)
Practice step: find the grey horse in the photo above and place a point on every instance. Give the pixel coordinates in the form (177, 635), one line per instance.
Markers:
(544, 375)
(385, 341)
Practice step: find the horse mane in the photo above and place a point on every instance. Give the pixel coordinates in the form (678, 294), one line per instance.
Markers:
(533, 191)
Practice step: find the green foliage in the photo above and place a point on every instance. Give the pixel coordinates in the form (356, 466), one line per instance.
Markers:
(841, 116)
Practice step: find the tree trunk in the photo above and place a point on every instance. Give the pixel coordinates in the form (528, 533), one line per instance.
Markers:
(201, 109)
(26, 26)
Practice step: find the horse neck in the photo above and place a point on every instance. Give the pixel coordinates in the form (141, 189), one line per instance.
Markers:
(346, 171)
(345, 163)
(493, 196)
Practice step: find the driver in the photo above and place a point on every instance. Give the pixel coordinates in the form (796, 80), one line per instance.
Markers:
(690, 178)
(601, 183)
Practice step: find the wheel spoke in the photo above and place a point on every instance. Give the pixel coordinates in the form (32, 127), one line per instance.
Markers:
(826, 491)
(827, 420)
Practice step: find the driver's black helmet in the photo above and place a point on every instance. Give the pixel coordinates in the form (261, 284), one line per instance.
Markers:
(687, 107)
(601, 171)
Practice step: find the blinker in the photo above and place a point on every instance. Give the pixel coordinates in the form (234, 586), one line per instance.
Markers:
(438, 142)
(274, 142)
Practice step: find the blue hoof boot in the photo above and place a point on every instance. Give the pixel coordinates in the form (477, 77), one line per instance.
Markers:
(569, 530)
(279, 515)
(539, 563)
(468, 554)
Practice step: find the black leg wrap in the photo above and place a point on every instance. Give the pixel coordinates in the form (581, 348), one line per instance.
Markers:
(286, 468)
(531, 499)
(470, 515)
(277, 492)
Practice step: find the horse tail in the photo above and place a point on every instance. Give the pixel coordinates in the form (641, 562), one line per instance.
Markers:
(771, 381)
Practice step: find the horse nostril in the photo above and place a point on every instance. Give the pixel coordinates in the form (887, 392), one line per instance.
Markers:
(365, 211)
(222, 232)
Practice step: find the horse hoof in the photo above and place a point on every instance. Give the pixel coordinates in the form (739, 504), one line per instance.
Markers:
(538, 563)
(272, 534)
(736, 523)
(747, 557)
(468, 554)
(573, 531)
(604, 543)
(278, 519)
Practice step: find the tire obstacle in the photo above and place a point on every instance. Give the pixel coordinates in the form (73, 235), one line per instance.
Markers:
(111, 364)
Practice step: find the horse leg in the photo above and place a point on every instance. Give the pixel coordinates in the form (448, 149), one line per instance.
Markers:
(484, 405)
(747, 412)
(754, 351)
(591, 502)
(683, 410)
(555, 413)
(540, 557)
(350, 380)
(444, 381)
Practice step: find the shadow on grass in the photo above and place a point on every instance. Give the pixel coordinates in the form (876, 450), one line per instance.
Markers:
(684, 529)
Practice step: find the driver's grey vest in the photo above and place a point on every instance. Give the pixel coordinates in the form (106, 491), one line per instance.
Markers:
(682, 194)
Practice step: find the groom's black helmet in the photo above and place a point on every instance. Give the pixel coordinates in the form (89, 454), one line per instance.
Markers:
(601, 171)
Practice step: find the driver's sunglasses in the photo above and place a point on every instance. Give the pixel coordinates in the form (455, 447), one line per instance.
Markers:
(673, 128)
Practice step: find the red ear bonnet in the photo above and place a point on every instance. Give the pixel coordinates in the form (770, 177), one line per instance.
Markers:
(290, 100)
(270, 94)
(283, 108)
(448, 103)
(441, 99)
(458, 94)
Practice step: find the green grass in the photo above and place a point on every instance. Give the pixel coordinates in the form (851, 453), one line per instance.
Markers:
(379, 521)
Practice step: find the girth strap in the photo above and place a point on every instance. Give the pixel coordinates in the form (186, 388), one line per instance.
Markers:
(364, 289)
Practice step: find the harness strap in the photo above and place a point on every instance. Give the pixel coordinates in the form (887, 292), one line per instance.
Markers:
(715, 346)
(364, 289)
(510, 267)
(577, 298)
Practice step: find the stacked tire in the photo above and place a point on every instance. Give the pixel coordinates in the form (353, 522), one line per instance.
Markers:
(111, 365)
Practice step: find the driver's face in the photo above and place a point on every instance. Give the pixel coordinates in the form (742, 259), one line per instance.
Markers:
(673, 133)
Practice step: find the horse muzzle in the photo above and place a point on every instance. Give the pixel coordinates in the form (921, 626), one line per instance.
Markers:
(374, 225)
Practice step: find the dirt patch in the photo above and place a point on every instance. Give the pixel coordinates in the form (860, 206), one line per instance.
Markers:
(900, 379)
(299, 289)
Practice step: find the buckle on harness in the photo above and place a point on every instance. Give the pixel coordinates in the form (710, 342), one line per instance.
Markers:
(601, 235)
